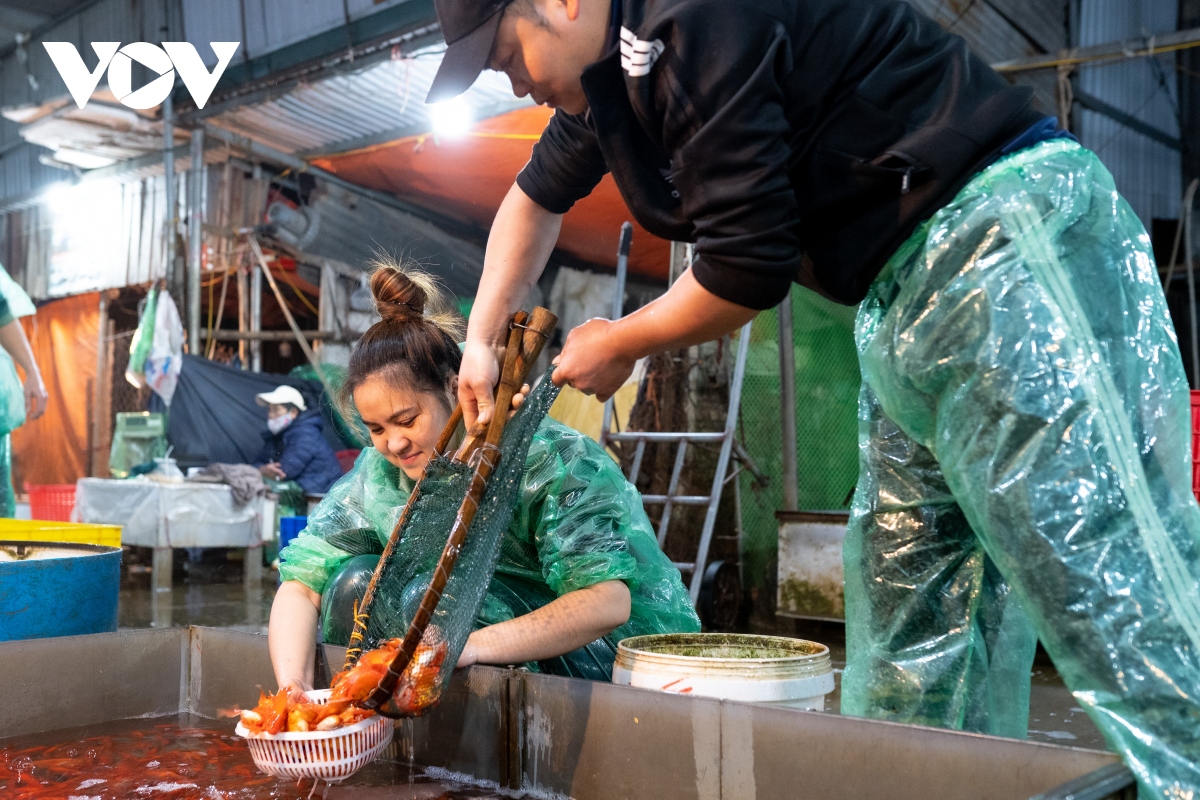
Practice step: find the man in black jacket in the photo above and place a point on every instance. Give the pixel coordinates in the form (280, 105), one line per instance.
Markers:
(1024, 449)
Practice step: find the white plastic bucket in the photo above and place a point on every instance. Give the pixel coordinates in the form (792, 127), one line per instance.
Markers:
(757, 669)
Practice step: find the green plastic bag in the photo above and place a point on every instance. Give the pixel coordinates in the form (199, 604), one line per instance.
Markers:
(19, 303)
(1026, 473)
(12, 391)
(12, 395)
(8, 498)
(143, 339)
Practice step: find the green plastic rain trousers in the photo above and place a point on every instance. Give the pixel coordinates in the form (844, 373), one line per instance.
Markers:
(1026, 473)
(578, 522)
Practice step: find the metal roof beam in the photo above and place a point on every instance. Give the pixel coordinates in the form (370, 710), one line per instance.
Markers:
(1093, 103)
(1127, 48)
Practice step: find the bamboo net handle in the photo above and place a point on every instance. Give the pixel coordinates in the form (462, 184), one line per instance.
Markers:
(526, 339)
(354, 645)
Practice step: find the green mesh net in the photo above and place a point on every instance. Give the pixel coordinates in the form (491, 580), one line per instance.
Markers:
(408, 571)
(827, 383)
(577, 523)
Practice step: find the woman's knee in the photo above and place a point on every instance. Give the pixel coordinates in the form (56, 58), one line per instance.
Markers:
(342, 595)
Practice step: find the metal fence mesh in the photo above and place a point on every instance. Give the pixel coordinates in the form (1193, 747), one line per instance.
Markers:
(827, 383)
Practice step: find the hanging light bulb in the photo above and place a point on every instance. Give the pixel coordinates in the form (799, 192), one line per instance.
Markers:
(451, 118)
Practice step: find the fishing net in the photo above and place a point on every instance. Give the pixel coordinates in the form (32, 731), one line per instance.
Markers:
(577, 523)
(408, 571)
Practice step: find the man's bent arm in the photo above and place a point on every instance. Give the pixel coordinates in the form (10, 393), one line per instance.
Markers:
(523, 236)
(599, 355)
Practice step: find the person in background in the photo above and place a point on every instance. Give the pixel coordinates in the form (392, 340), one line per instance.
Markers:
(293, 447)
(33, 390)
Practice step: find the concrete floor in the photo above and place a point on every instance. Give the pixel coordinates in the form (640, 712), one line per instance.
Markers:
(1054, 716)
(211, 592)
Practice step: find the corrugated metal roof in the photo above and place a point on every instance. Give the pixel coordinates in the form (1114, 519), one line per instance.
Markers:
(999, 30)
(262, 25)
(1147, 173)
(267, 25)
(384, 101)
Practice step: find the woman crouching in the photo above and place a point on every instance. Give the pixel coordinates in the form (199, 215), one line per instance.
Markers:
(579, 569)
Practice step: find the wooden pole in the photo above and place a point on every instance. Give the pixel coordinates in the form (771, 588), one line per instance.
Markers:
(287, 312)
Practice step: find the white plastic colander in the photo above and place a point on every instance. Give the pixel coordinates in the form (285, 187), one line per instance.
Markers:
(329, 755)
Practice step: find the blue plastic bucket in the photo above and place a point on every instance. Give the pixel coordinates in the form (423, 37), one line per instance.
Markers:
(57, 589)
(290, 528)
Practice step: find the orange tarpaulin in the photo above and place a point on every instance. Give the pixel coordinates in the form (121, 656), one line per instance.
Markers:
(54, 449)
(466, 178)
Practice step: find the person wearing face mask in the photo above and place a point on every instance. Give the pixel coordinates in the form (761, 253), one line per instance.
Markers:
(293, 447)
(580, 568)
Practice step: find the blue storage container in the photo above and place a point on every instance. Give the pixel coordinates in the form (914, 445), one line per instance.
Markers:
(57, 589)
(289, 528)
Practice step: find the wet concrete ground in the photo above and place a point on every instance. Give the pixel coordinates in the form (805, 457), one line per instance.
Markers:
(210, 592)
(1054, 716)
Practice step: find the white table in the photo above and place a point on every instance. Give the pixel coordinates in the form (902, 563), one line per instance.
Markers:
(164, 516)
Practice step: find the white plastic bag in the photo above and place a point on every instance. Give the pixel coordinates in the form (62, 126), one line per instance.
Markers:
(166, 350)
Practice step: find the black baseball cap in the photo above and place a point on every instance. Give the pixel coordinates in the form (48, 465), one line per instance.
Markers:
(469, 27)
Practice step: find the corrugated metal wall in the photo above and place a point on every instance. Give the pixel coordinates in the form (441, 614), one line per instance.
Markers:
(1000, 30)
(1146, 172)
(262, 26)
(97, 235)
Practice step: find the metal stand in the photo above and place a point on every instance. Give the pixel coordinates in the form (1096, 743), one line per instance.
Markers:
(721, 576)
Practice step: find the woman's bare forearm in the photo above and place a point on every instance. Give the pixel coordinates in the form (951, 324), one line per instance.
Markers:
(292, 634)
(568, 623)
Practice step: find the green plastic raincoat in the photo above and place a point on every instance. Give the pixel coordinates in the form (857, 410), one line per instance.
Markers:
(578, 522)
(14, 304)
(1026, 472)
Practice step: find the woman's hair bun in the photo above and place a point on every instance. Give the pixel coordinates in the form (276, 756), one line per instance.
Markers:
(415, 344)
(398, 295)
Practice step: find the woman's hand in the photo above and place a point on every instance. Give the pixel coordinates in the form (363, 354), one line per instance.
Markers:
(272, 471)
(296, 687)
(15, 343)
(36, 396)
